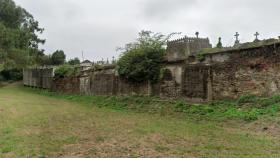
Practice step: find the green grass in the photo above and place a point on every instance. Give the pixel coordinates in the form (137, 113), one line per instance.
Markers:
(36, 123)
(248, 107)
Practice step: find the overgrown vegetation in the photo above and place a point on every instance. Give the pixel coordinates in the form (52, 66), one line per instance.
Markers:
(248, 108)
(65, 70)
(58, 57)
(75, 61)
(141, 61)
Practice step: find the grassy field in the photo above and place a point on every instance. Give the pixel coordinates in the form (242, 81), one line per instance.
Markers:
(36, 123)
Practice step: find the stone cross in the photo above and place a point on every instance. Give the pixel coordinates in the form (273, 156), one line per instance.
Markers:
(236, 38)
(197, 33)
(256, 34)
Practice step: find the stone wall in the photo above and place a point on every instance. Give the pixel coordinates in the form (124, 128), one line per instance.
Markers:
(195, 85)
(171, 83)
(69, 85)
(126, 88)
(181, 49)
(250, 71)
(85, 85)
(228, 74)
(103, 82)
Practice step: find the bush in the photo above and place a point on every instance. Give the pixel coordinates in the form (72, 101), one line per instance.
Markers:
(65, 71)
(11, 75)
(247, 99)
(141, 65)
(141, 61)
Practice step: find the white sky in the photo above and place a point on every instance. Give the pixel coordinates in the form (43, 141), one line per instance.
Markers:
(98, 27)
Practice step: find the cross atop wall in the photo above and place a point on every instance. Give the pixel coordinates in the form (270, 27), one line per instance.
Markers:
(257, 34)
(237, 38)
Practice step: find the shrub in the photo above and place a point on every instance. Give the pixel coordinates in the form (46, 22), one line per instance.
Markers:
(11, 75)
(269, 101)
(141, 61)
(247, 99)
(65, 71)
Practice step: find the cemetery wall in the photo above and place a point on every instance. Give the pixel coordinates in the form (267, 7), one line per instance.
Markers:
(225, 74)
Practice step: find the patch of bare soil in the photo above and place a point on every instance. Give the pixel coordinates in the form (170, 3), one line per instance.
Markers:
(270, 128)
(150, 146)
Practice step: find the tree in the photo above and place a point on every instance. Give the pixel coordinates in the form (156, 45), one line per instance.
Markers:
(141, 60)
(19, 41)
(75, 61)
(46, 60)
(19, 25)
(58, 57)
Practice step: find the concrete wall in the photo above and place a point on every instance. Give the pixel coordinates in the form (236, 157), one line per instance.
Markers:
(39, 77)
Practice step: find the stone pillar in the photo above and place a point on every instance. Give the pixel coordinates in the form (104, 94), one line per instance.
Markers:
(209, 86)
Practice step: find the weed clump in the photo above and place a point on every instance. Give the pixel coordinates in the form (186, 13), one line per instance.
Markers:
(248, 107)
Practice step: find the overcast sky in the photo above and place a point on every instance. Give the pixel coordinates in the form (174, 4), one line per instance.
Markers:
(98, 27)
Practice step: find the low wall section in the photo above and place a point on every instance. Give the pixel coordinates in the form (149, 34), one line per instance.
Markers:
(40, 77)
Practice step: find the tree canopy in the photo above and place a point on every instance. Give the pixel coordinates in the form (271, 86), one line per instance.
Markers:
(19, 41)
(141, 60)
(58, 57)
(74, 61)
(18, 27)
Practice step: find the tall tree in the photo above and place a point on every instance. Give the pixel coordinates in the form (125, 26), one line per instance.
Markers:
(58, 57)
(18, 30)
(19, 41)
(20, 23)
